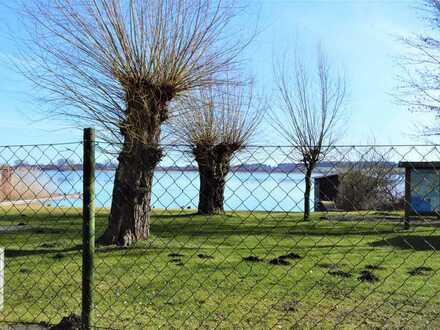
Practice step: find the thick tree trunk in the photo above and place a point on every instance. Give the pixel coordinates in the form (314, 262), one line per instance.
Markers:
(129, 219)
(212, 189)
(214, 164)
(308, 181)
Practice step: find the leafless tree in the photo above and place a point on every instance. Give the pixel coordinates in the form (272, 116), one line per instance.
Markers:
(419, 82)
(216, 125)
(310, 102)
(119, 64)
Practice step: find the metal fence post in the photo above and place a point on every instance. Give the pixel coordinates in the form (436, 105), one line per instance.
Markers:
(88, 227)
(406, 223)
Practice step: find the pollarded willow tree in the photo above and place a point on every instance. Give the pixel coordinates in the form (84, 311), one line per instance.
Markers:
(311, 98)
(216, 125)
(119, 64)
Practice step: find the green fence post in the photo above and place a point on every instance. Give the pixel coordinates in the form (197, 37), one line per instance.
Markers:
(88, 227)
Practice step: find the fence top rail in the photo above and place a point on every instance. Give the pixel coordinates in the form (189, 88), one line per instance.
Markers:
(253, 146)
(299, 146)
(40, 144)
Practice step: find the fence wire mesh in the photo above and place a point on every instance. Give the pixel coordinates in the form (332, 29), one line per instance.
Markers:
(257, 265)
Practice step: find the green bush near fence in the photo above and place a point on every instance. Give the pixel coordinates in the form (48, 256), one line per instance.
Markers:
(191, 273)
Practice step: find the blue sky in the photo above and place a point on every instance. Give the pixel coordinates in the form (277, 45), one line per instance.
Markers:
(359, 36)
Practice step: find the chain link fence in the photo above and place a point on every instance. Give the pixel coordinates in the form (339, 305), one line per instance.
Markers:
(259, 265)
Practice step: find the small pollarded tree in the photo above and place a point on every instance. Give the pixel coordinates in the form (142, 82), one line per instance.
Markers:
(119, 64)
(216, 124)
(311, 98)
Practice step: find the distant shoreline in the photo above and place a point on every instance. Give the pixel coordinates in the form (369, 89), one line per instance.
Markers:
(324, 167)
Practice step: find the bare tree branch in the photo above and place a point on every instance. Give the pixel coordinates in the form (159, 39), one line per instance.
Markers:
(310, 103)
(217, 123)
(229, 115)
(90, 56)
(419, 83)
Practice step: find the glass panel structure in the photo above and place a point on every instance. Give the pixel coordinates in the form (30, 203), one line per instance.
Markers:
(425, 191)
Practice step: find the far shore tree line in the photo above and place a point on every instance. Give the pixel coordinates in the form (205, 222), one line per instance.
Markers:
(142, 71)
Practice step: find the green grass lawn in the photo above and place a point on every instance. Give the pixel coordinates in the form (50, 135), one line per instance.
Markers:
(143, 287)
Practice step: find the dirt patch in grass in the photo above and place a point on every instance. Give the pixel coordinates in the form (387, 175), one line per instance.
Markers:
(252, 259)
(374, 267)
(367, 276)
(279, 262)
(204, 256)
(175, 255)
(291, 306)
(339, 273)
(335, 290)
(423, 270)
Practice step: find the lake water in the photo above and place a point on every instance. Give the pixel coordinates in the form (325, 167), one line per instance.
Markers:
(171, 190)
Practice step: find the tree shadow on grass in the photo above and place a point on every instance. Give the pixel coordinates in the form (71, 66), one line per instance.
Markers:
(159, 216)
(233, 228)
(413, 242)
(29, 230)
(13, 253)
(39, 216)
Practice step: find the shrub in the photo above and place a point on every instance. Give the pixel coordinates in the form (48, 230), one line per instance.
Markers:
(369, 187)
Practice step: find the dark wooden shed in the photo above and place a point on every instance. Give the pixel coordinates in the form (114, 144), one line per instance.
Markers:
(326, 190)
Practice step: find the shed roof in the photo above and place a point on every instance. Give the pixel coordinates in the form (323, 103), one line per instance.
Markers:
(420, 165)
(325, 176)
